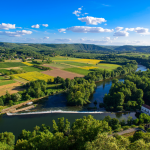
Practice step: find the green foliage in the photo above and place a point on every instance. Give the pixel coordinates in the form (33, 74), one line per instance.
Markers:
(11, 64)
(125, 127)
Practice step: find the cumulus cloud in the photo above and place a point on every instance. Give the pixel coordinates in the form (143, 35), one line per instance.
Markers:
(7, 26)
(92, 41)
(45, 25)
(129, 29)
(78, 12)
(46, 37)
(121, 33)
(85, 29)
(92, 20)
(61, 30)
(118, 28)
(15, 34)
(62, 40)
(142, 30)
(35, 26)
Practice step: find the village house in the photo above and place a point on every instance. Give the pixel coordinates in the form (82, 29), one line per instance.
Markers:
(145, 109)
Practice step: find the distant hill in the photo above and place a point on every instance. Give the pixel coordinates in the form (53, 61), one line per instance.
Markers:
(82, 47)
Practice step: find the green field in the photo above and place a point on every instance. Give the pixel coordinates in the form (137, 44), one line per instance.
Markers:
(107, 66)
(3, 70)
(4, 81)
(30, 69)
(58, 65)
(62, 58)
(76, 63)
(11, 64)
(78, 70)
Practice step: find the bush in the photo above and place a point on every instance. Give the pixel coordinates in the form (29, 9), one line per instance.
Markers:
(119, 108)
(136, 121)
(12, 77)
(148, 130)
(125, 127)
(141, 127)
(133, 126)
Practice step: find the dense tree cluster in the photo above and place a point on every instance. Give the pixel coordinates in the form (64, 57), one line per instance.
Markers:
(98, 75)
(86, 133)
(123, 96)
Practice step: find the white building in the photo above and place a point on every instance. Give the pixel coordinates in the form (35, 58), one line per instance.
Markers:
(145, 109)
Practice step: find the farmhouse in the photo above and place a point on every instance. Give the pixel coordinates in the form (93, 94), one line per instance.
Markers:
(145, 109)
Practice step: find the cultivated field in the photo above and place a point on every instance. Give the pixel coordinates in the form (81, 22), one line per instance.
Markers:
(11, 88)
(4, 81)
(32, 76)
(61, 73)
(11, 64)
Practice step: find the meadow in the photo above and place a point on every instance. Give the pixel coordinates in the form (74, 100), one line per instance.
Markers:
(4, 81)
(11, 64)
(31, 69)
(78, 70)
(108, 66)
(32, 76)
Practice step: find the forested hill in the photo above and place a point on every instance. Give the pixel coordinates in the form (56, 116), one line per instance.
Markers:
(144, 49)
(39, 47)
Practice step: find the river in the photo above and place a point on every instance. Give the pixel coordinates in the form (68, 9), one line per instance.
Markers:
(17, 123)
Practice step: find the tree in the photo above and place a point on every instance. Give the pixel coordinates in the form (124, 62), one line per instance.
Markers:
(16, 97)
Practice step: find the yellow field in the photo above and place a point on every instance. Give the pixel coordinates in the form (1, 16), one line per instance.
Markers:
(87, 68)
(90, 61)
(32, 76)
(26, 63)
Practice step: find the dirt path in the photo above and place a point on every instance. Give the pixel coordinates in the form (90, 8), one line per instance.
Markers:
(128, 131)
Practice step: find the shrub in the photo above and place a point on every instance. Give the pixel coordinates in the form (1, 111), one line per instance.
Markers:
(133, 126)
(148, 130)
(141, 127)
(125, 127)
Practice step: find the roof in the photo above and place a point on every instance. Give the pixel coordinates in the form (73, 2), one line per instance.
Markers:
(146, 106)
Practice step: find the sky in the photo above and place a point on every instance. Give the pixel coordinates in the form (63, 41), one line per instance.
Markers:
(100, 22)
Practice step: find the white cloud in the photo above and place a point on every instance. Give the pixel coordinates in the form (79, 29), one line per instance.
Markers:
(92, 20)
(85, 29)
(121, 33)
(45, 25)
(78, 12)
(7, 26)
(46, 37)
(129, 29)
(119, 28)
(115, 38)
(92, 41)
(62, 40)
(61, 30)
(107, 38)
(15, 34)
(142, 30)
(105, 24)
(35, 26)
(64, 32)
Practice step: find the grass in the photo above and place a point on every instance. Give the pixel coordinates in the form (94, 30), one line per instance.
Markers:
(107, 66)
(129, 134)
(78, 70)
(30, 69)
(77, 63)
(62, 58)
(5, 82)
(58, 65)
(11, 64)
(3, 70)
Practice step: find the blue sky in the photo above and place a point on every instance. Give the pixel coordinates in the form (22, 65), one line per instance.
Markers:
(100, 22)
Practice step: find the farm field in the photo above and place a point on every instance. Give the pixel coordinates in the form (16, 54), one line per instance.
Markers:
(57, 65)
(87, 61)
(62, 73)
(32, 76)
(62, 58)
(75, 63)
(31, 69)
(11, 88)
(78, 70)
(4, 81)
(108, 66)
(11, 64)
